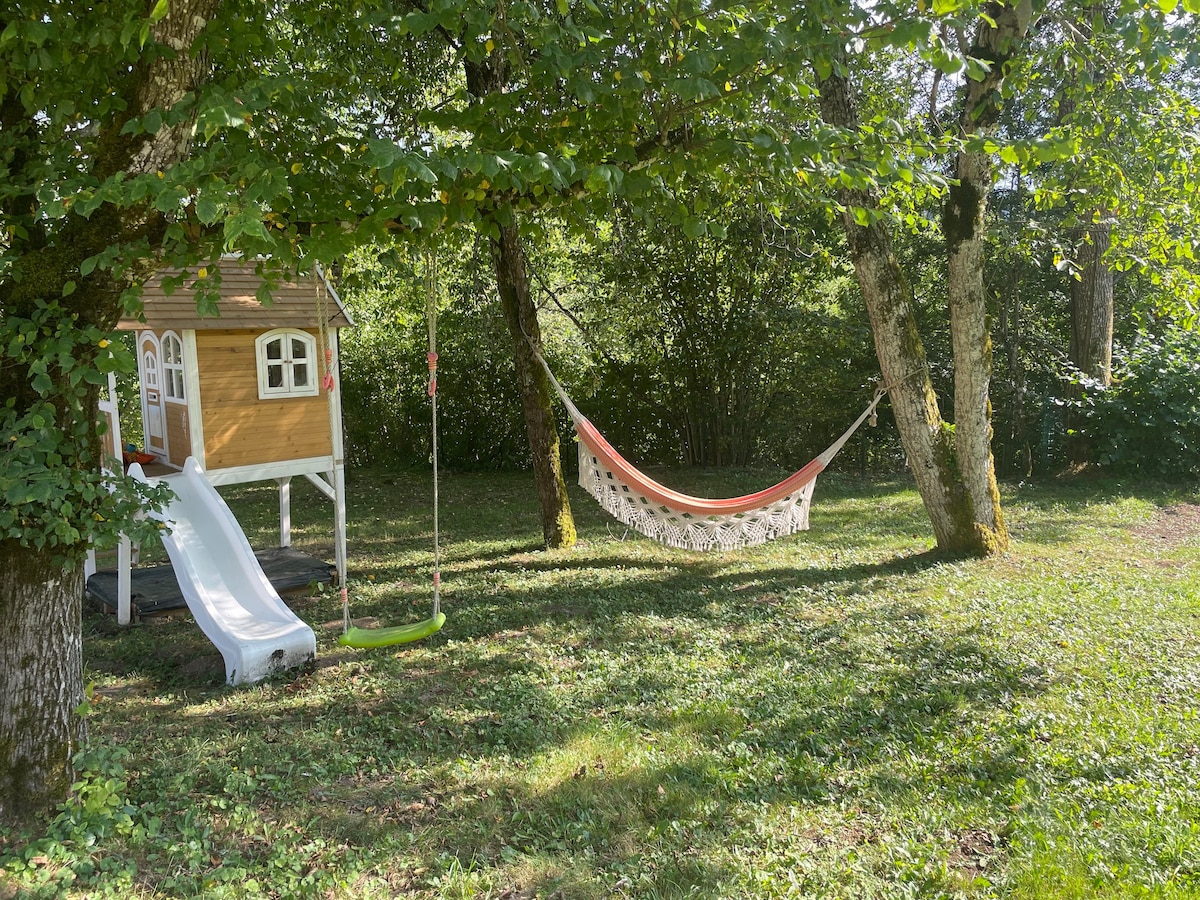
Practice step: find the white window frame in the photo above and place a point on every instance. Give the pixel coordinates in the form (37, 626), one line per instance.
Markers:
(287, 388)
(173, 383)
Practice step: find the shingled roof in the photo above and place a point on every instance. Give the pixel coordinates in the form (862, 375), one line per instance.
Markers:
(294, 303)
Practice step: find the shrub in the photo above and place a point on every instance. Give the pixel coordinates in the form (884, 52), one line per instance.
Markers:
(1148, 420)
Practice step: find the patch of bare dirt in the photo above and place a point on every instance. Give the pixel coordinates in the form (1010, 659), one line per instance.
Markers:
(1172, 526)
(975, 848)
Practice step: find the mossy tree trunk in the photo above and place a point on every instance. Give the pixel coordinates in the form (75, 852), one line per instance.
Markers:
(964, 229)
(512, 280)
(927, 439)
(483, 78)
(953, 467)
(41, 590)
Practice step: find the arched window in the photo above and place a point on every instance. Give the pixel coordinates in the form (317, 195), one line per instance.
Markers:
(172, 363)
(287, 363)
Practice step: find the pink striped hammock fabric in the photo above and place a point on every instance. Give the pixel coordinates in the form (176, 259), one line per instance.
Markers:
(695, 523)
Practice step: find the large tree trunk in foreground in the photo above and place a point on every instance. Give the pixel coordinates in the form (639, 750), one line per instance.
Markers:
(41, 591)
(953, 468)
(964, 230)
(41, 666)
(1091, 326)
(512, 279)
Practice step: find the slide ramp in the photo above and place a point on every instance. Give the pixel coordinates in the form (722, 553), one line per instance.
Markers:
(230, 597)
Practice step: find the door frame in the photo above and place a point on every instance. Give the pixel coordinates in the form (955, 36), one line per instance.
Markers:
(151, 375)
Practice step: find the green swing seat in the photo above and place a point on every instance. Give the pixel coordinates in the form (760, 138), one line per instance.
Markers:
(396, 634)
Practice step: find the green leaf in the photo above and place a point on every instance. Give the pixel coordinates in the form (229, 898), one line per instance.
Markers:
(161, 8)
(598, 180)
(69, 288)
(207, 210)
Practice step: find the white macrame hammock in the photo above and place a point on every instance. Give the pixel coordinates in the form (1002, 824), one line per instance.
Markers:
(695, 523)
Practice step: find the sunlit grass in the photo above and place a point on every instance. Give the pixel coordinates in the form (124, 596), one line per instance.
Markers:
(838, 714)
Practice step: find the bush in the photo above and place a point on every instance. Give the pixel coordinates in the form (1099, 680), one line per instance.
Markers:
(1148, 420)
(385, 408)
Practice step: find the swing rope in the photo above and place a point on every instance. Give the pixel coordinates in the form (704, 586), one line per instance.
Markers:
(401, 634)
(432, 357)
(325, 374)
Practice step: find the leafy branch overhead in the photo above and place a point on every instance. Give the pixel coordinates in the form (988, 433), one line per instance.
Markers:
(459, 112)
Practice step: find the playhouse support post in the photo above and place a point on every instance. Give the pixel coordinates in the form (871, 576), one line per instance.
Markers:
(124, 581)
(285, 511)
(339, 519)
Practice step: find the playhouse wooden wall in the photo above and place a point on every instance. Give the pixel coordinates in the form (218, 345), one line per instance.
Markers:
(239, 428)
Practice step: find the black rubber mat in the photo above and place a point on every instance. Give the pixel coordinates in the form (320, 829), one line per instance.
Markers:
(153, 589)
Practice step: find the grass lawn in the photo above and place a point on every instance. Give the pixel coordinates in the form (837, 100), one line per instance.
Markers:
(839, 714)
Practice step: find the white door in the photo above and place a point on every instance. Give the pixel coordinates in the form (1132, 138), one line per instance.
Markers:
(154, 419)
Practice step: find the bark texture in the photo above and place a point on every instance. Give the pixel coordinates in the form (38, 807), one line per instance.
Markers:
(41, 673)
(927, 440)
(953, 467)
(1092, 305)
(512, 279)
(41, 666)
(1091, 326)
(964, 228)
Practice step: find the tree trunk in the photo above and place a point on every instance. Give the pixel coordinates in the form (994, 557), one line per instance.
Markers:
(927, 440)
(964, 230)
(1091, 327)
(512, 279)
(1091, 280)
(41, 666)
(41, 681)
(953, 468)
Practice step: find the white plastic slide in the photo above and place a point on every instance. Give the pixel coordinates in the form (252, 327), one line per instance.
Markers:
(231, 599)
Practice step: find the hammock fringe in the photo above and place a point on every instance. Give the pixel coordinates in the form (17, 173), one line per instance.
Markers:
(689, 531)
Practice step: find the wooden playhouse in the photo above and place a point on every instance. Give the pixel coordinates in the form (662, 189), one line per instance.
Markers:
(251, 394)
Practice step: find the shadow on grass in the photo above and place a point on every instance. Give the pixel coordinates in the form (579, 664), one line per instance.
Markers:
(617, 710)
(783, 703)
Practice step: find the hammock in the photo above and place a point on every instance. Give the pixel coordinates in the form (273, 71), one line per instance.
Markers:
(694, 523)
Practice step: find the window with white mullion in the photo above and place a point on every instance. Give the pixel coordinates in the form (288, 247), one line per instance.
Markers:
(285, 363)
(172, 358)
